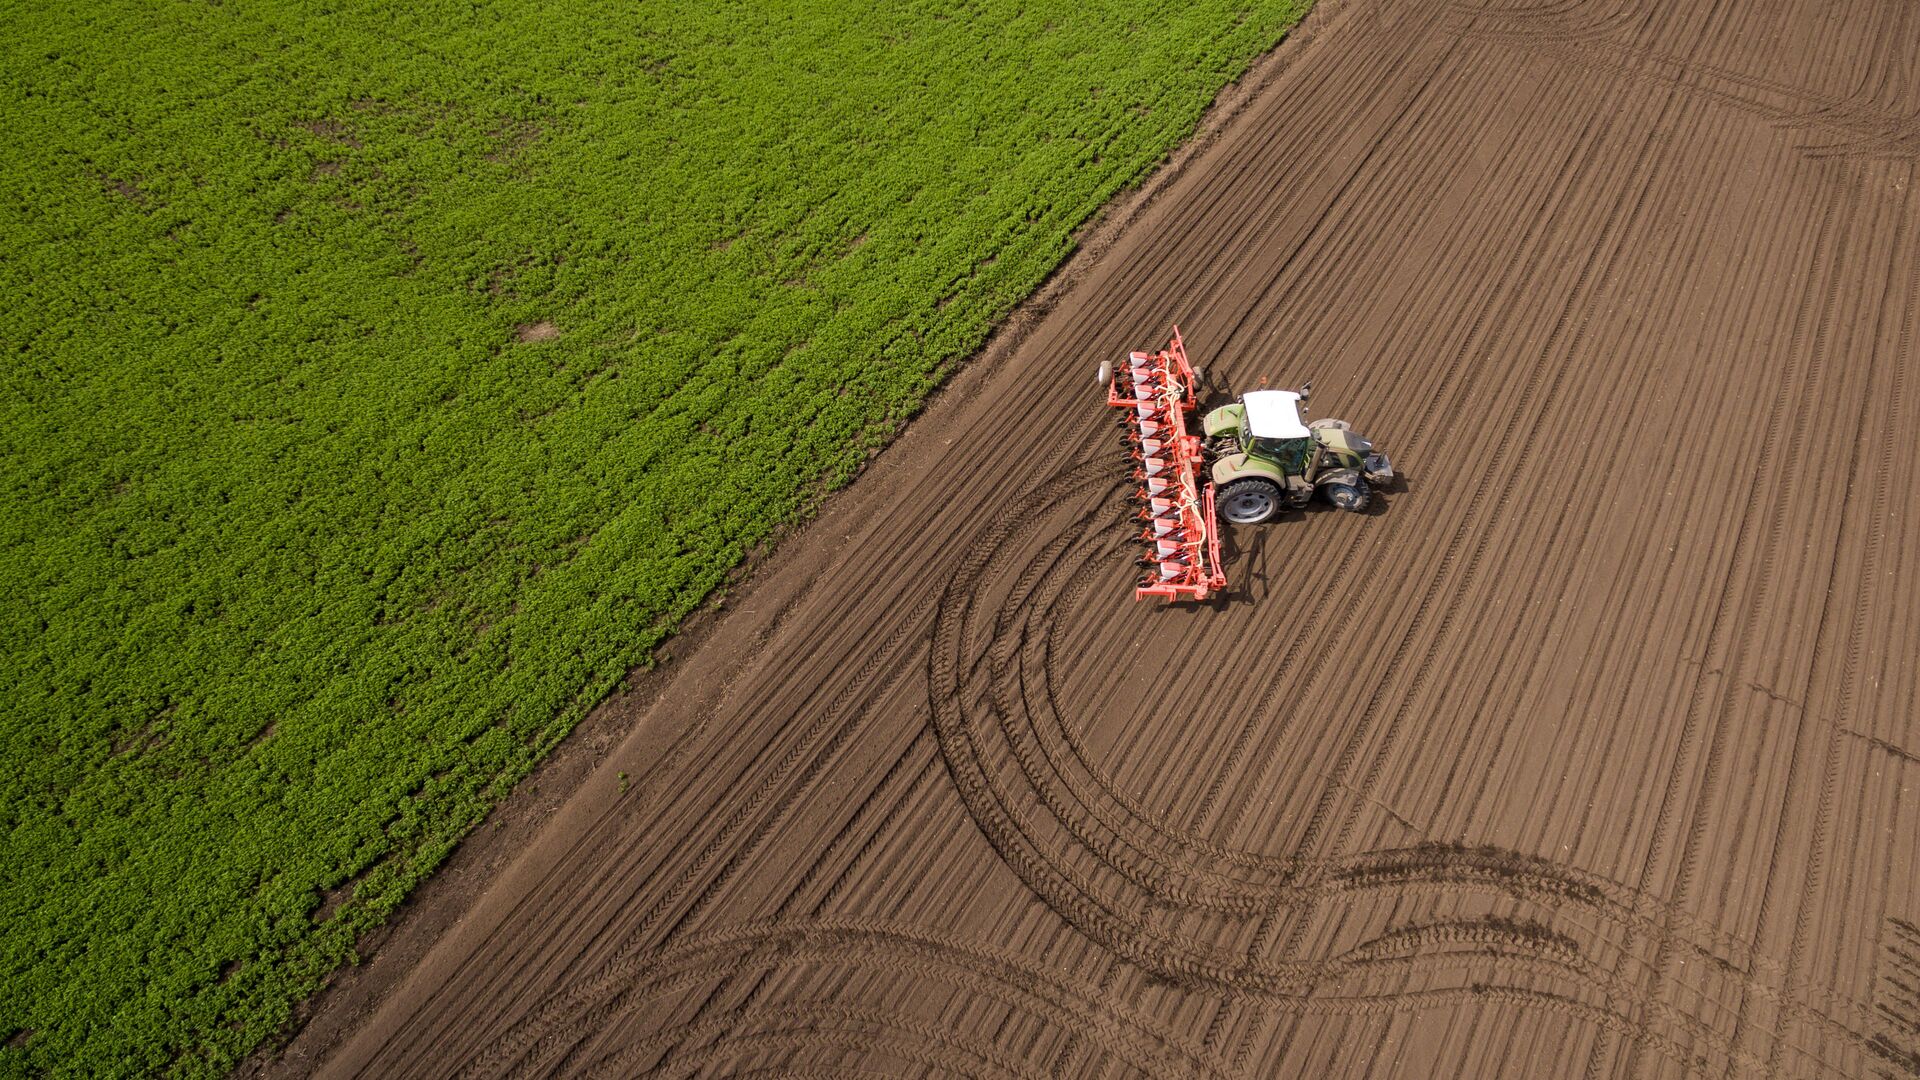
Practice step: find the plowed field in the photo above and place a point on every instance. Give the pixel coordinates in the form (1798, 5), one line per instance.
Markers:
(1591, 752)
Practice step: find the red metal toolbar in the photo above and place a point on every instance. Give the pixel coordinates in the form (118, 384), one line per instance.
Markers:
(1157, 391)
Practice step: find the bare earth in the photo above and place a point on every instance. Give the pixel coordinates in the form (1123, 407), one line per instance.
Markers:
(1591, 753)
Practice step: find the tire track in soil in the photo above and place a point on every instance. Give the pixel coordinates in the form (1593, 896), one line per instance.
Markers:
(959, 806)
(629, 982)
(1504, 443)
(1872, 545)
(1126, 846)
(1812, 344)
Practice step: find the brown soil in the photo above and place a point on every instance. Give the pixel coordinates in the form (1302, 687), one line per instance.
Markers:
(540, 331)
(1592, 752)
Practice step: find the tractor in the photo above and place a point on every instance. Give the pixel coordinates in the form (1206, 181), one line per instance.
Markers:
(1265, 460)
(1260, 459)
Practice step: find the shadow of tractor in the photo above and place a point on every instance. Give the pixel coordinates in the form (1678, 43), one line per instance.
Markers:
(1251, 549)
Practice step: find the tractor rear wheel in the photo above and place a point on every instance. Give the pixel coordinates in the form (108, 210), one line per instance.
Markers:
(1249, 501)
(1347, 496)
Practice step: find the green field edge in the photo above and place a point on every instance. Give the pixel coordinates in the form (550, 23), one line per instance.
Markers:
(256, 1022)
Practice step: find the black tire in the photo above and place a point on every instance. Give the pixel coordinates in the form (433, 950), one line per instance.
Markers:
(1249, 501)
(1347, 496)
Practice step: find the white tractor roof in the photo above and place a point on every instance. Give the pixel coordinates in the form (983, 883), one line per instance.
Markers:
(1274, 414)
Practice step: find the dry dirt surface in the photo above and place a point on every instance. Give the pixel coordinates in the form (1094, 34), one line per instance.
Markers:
(1592, 752)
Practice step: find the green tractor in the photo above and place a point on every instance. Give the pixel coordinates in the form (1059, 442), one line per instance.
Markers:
(1266, 460)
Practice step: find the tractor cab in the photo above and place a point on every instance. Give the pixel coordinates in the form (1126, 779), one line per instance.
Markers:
(1265, 427)
(1271, 430)
(1266, 459)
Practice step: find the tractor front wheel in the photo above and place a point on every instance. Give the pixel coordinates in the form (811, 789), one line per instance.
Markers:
(1249, 501)
(1347, 496)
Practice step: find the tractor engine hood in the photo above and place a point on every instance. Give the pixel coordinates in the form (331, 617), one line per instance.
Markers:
(1343, 439)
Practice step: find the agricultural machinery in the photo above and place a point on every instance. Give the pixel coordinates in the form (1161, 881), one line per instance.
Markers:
(1258, 457)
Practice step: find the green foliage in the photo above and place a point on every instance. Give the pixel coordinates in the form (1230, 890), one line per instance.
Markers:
(384, 381)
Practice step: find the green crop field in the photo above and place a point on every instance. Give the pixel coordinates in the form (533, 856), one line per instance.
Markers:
(385, 380)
